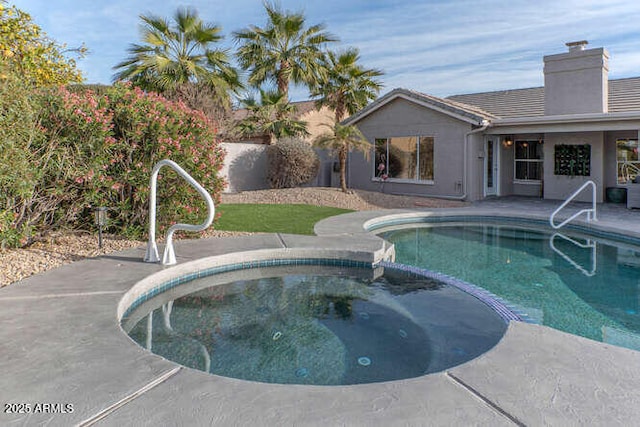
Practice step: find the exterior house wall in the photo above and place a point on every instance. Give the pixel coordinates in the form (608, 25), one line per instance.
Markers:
(610, 178)
(475, 165)
(403, 118)
(325, 177)
(529, 190)
(507, 170)
(559, 187)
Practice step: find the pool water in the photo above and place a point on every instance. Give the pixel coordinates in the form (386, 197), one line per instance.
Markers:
(301, 327)
(573, 283)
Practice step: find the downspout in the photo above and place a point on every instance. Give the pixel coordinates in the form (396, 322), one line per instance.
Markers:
(483, 126)
(348, 160)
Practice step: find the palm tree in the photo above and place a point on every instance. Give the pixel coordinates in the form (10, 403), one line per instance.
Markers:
(341, 140)
(272, 116)
(346, 87)
(283, 51)
(173, 56)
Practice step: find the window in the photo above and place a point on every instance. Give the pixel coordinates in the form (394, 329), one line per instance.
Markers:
(407, 158)
(528, 160)
(627, 159)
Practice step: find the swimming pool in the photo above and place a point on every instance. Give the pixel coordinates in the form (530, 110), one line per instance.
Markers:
(316, 324)
(571, 281)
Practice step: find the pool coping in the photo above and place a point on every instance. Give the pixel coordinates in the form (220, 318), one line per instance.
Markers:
(65, 320)
(366, 222)
(166, 279)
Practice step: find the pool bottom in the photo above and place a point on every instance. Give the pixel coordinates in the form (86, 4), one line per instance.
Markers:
(320, 325)
(576, 283)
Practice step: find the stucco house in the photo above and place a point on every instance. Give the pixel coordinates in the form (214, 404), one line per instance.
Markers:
(543, 141)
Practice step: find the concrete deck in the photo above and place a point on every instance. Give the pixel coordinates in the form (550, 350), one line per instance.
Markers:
(62, 344)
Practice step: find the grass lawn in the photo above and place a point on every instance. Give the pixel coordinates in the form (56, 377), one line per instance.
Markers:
(292, 219)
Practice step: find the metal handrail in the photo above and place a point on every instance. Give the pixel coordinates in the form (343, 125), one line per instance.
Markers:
(169, 256)
(590, 244)
(627, 168)
(166, 316)
(591, 213)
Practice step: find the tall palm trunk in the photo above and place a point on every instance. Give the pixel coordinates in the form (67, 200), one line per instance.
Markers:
(340, 110)
(340, 142)
(342, 158)
(283, 80)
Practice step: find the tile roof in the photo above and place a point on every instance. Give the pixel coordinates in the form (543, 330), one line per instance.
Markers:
(624, 96)
(454, 106)
(507, 103)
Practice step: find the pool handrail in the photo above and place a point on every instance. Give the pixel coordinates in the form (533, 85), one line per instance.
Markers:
(169, 256)
(590, 244)
(591, 212)
(166, 317)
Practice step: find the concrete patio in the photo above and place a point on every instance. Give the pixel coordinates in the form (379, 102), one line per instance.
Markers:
(62, 344)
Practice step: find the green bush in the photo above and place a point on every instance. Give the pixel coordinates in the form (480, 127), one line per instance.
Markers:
(19, 134)
(98, 150)
(291, 162)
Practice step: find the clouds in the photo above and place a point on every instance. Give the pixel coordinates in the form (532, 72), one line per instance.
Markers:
(459, 47)
(441, 47)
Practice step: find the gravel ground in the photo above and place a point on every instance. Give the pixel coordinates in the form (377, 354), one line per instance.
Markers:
(356, 200)
(65, 247)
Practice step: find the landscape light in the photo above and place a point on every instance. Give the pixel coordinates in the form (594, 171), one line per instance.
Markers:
(100, 220)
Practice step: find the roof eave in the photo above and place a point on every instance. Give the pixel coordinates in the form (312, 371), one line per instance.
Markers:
(568, 118)
(451, 111)
(591, 122)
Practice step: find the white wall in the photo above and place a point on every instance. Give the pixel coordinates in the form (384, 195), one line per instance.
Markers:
(245, 167)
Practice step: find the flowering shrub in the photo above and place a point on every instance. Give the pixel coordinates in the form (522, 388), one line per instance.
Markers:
(121, 135)
(99, 150)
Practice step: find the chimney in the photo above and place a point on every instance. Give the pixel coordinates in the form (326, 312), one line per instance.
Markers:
(577, 81)
(576, 46)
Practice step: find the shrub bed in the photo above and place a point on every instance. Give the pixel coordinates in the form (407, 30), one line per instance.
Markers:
(81, 149)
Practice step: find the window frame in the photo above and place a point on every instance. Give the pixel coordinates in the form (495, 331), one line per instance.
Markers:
(377, 175)
(516, 160)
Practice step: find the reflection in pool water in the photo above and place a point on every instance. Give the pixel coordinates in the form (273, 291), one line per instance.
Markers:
(323, 328)
(573, 283)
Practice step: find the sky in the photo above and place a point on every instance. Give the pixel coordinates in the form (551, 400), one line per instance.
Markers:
(439, 47)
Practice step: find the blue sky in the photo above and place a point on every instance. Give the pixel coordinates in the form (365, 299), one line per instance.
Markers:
(439, 47)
